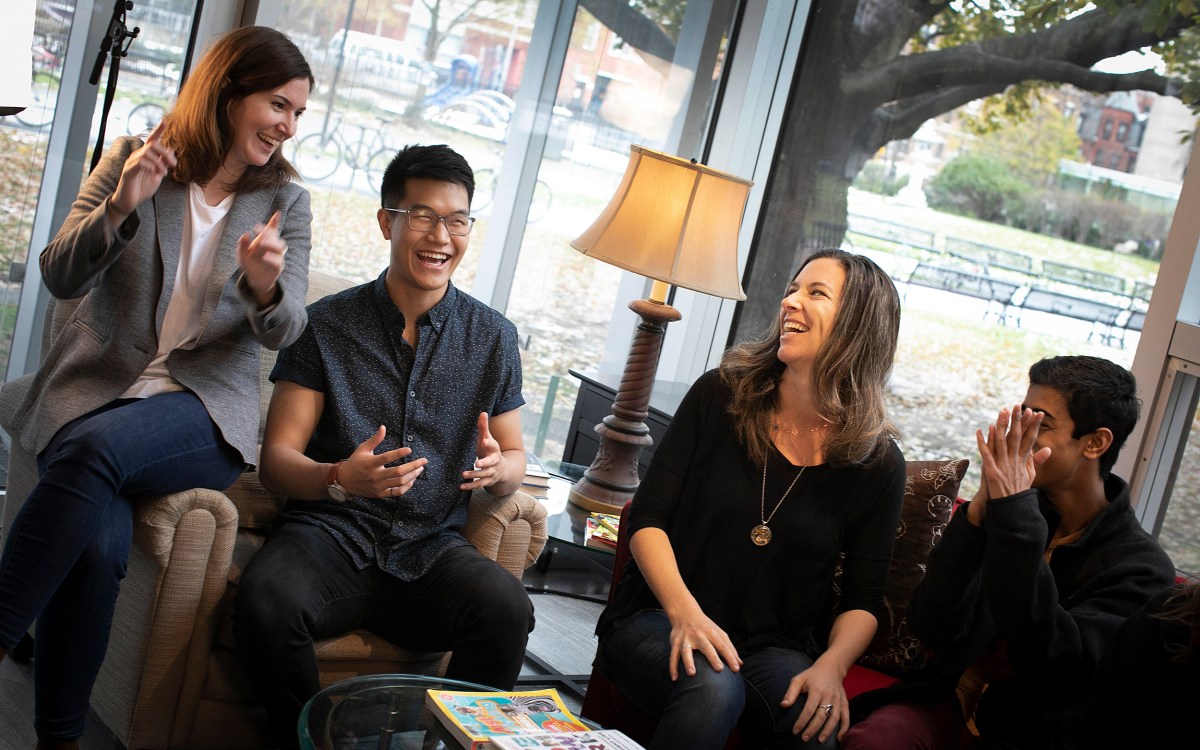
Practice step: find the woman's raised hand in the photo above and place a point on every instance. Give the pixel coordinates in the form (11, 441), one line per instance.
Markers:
(143, 172)
(260, 255)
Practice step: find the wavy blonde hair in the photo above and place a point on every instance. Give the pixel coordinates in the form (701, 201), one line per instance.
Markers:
(850, 371)
(241, 62)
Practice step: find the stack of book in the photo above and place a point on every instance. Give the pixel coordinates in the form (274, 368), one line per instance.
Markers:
(522, 719)
(601, 531)
(537, 479)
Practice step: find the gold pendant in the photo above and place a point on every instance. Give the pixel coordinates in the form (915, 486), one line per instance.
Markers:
(760, 535)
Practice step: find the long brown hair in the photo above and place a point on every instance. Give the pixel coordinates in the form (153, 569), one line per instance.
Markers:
(241, 62)
(849, 374)
(1183, 606)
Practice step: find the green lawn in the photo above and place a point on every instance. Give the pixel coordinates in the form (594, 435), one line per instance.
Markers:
(1132, 267)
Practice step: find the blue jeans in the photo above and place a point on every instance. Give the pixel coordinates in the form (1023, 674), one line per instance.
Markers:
(68, 546)
(700, 711)
(301, 587)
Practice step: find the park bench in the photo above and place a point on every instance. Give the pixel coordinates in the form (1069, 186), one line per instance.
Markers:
(988, 288)
(1100, 314)
(990, 255)
(1097, 281)
(889, 231)
(1142, 291)
(1133, 322)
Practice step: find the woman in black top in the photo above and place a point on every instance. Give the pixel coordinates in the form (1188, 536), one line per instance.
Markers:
(775, 467)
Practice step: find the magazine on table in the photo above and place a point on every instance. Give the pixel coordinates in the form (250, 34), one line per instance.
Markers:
(592, 739)
(476, 719)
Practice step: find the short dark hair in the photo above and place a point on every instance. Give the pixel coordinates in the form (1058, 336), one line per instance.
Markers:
(440, 163)
(1098, 393)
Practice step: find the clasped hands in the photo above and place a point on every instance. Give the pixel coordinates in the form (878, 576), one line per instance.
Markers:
(368, 474)
(1008, 459)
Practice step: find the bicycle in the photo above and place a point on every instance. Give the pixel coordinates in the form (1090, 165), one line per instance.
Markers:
(317, 156)
(143, 118)
(40, 111)
(485, 184)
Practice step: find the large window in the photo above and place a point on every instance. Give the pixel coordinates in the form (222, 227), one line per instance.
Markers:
(1004, 244)
(847, 147)
(147, 80)
(1175, 464)
(23, 142)
(391, 74)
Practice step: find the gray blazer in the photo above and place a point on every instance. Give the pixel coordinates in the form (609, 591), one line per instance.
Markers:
(123, 285)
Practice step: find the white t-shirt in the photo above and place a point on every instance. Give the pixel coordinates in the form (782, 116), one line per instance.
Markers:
(201, 232)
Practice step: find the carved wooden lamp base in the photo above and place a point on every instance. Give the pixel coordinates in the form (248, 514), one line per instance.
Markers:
(612, 478)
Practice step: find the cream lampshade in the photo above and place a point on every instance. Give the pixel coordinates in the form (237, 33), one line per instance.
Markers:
(676, 222)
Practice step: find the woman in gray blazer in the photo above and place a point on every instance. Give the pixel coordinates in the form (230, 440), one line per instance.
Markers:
(187, 252)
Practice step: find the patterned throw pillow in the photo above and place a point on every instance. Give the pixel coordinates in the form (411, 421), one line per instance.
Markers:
(930, 490)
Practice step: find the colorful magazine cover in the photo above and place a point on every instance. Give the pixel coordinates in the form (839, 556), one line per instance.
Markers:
(475, 718)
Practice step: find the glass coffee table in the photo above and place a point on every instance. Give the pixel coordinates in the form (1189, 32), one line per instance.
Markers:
(382, 712)
(378, 712)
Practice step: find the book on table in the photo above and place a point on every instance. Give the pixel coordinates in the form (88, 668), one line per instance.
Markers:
(608, 521)
(592, 739)
(598, 536)
(475, 719)
(536, 474)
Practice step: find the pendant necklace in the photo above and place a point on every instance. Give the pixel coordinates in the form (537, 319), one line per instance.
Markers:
(760, 534)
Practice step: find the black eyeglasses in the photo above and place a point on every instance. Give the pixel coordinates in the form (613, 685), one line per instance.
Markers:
(424, 220)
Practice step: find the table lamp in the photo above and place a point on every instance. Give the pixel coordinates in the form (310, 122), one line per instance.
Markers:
(676, 222)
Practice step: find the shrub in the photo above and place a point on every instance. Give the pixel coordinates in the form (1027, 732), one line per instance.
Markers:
(1089, 219)
(874, 178)
(974, 185)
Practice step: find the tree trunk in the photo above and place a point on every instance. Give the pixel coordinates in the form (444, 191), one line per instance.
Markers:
(815, 163)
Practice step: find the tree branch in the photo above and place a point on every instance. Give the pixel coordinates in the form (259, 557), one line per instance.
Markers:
(1063, 53)
(880, 29)
(633, 27)
(896, 121)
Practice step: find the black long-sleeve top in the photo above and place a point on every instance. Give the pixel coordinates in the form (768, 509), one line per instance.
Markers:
(1055, 618)
(703, 490)
(1140, 695)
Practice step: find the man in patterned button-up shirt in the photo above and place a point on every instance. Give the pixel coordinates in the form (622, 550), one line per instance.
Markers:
(401, 397)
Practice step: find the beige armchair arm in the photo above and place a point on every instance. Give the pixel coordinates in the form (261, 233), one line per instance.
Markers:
(167, 617)
(510, 529)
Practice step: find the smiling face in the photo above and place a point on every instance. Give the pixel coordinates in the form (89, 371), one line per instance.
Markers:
(423, 262)
(261, 122)
(1071, 459)
(808, 311)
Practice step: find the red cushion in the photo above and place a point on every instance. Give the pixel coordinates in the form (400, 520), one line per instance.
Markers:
(860, 679)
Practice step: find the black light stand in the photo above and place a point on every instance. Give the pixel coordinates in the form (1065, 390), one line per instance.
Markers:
(116, 42)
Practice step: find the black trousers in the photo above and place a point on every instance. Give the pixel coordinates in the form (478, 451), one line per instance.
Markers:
(301, 587)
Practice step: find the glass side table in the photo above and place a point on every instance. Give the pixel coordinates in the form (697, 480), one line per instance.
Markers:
(567, 566)
(378, 712)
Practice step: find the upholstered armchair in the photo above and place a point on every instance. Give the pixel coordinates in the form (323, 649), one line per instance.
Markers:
(171, 677)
